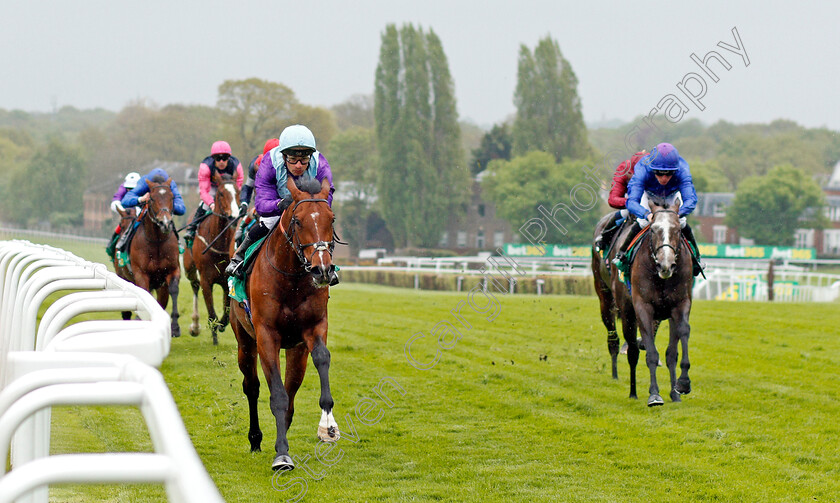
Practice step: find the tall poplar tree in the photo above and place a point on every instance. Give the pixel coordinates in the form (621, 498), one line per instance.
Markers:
(423, 175)
(548, 110)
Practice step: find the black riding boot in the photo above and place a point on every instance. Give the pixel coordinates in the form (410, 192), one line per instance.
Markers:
(604, 239)
(621, 260)
(189, 233)
(697, 264)
(256, 232)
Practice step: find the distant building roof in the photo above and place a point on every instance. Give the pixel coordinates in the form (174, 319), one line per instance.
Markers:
(834, 181)
(708, 202)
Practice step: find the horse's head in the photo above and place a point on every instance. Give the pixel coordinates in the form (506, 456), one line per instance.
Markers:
(665, 238)
(161, 202)
(227, 195)
(310, 229)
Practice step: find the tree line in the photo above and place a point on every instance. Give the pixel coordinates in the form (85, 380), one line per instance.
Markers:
(403, 158)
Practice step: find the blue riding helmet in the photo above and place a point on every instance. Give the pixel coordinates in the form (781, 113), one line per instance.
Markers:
(296, 136)
(664, 157)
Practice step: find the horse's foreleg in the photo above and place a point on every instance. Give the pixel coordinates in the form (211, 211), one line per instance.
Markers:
(207, 292)
(247, 349)
(279, 399)
(223, 323)
(671, 360)
(172, 283)
(327, 427)
(644, 317)
(608, 318)
(295, 371)
(681, 331)
(628, 328)
(192, 275)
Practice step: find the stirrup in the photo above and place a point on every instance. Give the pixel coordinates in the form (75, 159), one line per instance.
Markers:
(234, 268)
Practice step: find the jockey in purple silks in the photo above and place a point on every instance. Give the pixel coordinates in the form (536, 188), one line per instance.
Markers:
(665, 175)
(295, 156)
(117, 207)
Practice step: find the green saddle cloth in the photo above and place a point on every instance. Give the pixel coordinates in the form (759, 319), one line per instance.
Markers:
(236, 285)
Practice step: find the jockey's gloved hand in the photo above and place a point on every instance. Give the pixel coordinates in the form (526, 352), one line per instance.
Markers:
(243, 207)
(683, 222)
(285, 203)
(117, 206)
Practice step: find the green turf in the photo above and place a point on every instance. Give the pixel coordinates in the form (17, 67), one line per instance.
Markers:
(522, 408)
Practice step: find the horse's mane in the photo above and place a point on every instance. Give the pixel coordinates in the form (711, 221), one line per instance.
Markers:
(158, 178)
(309, 185)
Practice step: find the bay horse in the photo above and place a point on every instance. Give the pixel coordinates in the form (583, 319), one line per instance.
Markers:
(205, 262)
(153, 251)
(660, 288)
(288, 290)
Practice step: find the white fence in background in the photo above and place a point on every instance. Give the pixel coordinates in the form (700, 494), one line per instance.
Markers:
(95, 362)
(739, 282)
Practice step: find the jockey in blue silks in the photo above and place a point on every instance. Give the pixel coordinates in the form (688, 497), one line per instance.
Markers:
(663, 174)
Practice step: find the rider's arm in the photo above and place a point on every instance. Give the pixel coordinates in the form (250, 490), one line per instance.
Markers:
(178, 206)
(131, 197)
(240, 177)
(689, 195)
(248, 187)
(619, 186)
(265, 189)
(324, 171)
(635, 189)
(204, 184)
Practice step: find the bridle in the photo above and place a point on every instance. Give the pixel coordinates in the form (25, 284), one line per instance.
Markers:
(654, 251)
(155, 217)
(293, 239)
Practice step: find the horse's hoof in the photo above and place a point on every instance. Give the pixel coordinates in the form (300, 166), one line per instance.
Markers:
(675, 397)
(215, 340)
(655, 400)
(633, 396)
(283, 462)
(176, 333)
(330, 434)
(683, 386)
(623, 349)
(640, 344)
(194, 330)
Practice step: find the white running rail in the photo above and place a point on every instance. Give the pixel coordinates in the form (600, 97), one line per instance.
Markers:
(89, 362)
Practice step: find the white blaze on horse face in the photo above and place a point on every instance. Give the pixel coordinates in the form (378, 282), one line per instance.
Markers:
(318, 235)
(663, 225)
(234, 207)
(161, 191)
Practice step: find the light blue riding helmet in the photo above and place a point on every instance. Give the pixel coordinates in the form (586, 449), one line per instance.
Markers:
(297, 136)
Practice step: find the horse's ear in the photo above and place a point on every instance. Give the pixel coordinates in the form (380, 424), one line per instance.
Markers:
(325, 189)
(290, 184)
(168, 181)
(677, 204)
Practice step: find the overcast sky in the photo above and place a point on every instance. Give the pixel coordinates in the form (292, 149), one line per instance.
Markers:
(627, 55)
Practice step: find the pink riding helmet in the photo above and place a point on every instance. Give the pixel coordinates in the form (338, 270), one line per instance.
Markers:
(220, 147)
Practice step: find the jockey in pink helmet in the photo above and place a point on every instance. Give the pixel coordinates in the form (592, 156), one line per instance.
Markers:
(219, 161)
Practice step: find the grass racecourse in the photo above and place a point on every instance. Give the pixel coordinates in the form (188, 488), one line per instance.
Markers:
(521, 408)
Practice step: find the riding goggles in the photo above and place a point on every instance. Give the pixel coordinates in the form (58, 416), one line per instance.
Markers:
(221, 157)
(658, 172)
(294, 159)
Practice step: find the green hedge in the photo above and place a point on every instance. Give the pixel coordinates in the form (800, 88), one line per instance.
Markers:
(554, 285)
